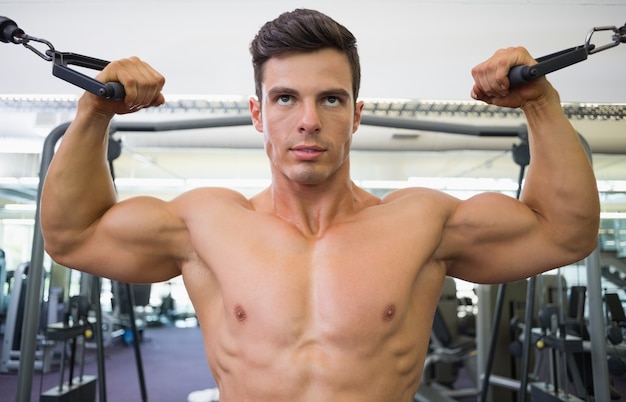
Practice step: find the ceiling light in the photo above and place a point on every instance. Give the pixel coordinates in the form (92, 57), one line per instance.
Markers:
(25, 222)
(20, 207)
(612, 215)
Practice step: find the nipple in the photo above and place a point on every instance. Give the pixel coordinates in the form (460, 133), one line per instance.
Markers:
(389, 313)
(240, 313)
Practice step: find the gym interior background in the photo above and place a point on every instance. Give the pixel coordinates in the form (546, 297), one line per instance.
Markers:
(416, 59)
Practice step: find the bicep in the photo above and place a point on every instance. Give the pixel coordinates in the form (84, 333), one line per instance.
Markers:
(493, 238)
(138, 240)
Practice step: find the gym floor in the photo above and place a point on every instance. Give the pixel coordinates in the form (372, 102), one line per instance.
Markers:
(173, 360)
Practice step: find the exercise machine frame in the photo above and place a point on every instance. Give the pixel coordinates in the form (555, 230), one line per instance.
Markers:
(34, 289)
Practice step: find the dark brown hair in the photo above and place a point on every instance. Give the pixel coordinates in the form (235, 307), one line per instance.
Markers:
(302, 31)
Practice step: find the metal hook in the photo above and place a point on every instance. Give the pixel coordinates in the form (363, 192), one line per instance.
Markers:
(25, 39)
(621, 34)
(591, 49)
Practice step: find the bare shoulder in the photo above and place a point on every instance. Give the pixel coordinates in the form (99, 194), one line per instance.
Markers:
(419, 209)
(422, 199)
(455, 211)
(426, 213)
(208, 198)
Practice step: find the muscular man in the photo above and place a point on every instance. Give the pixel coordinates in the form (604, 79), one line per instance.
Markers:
(314, 289)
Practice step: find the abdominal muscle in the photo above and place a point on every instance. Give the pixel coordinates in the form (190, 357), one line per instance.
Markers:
(257, 369)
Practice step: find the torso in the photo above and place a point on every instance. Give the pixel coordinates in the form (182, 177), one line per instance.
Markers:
(344, 315)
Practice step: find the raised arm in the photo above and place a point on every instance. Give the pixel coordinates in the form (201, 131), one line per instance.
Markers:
(83, 225)
(493, 238)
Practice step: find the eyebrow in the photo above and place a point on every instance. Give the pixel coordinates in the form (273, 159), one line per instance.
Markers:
(336, 92)
(282, 90)
(290, 91)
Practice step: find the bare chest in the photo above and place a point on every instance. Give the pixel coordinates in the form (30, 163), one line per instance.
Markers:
(357, 281)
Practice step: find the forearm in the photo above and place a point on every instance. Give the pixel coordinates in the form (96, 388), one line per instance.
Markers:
(560, 185)
(78, 188)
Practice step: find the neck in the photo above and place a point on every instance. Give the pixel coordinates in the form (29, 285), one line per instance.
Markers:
(313, 208)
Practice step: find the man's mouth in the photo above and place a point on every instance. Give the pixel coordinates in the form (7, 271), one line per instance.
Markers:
(304, 152)
(306, 148)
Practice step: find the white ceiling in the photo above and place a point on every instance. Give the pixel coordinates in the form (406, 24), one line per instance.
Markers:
(415, 50)
(409, 49)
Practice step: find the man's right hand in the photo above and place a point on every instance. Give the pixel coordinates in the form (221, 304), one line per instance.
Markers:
(141, 82)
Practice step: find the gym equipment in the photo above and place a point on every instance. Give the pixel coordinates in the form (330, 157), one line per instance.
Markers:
(10, 33)
(522, 74)
(616, 317)
(521, 156)
(517, 76)
(428, 394)
(553, 335)
(596, 321)
(615, 331)
(12, 342)
(13, 326)
(504, 368)
(3, 281)
(76, 324)
(449, 349)
(575, 325)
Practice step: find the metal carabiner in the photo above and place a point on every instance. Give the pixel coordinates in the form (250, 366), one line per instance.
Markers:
(9, 32)
(617, 39)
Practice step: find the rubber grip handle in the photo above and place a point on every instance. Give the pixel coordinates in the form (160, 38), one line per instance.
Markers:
(520, 75)
(9, 31)
(113, 90)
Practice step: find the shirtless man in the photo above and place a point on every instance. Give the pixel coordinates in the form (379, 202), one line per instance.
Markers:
(314, 289)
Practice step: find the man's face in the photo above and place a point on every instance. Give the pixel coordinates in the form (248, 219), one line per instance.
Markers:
(307, 114)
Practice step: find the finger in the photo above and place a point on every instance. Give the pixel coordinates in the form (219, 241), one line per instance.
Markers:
(149, 84)
(141, 82)
(159, 100)
(478, 94)
(500, 81)
(494, 75)
(482, 85)
(133, 78)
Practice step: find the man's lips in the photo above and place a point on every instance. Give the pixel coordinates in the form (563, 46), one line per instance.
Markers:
(307, 152)
(307, 148)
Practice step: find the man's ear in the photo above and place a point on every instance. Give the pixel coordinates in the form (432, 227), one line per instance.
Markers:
(358, 109)
(255, 113)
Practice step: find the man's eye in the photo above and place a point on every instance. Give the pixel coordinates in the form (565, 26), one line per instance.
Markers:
(332, 101)
(284, 99)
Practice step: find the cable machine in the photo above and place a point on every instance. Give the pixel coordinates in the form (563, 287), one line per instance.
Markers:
(518, 76)
(10, 33)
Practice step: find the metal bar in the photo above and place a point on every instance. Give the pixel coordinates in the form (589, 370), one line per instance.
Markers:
(210, 122)
(130, 299)
(505, 382)
(494, 336)
(483, 327)
(526, 348)
(95, 294)
(32, 308)
(596, 328)
(440, 126)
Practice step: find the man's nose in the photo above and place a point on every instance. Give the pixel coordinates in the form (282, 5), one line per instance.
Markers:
(310, 121)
